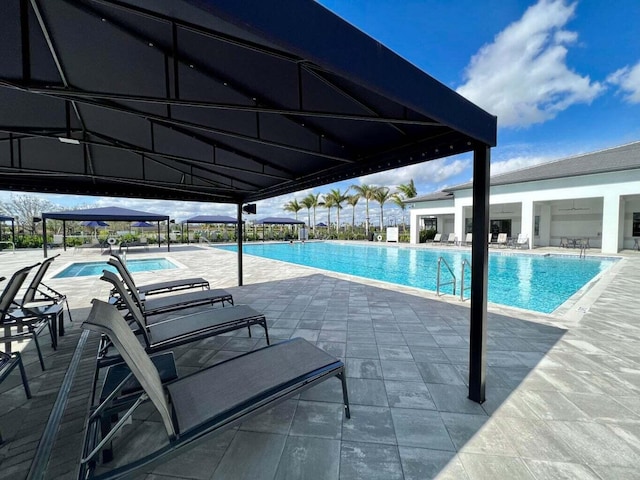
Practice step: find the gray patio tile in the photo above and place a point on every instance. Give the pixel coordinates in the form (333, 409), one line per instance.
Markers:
(251, 455)
(396, 370)
(457, 355)
(425, 464)
(421, 428)
(365, 391)
(362, 350)
(553, 405)
(409, 395)
(394, 352)
(485, 467)
(334, 325)
(333, 335)
(316, 419)
(453, 398)
(386, 338)
(275, 420)
(200, 461)
(363, 367)
(369, 424)
(359, 461)
(311, 324)
(428, 354)
(630, 402)
(451, 341)
(507, 403)
(329, 391)
(420, 339)
(477, 434)
(543, 470)
(336, 349)
(354, 336)
(617, 473)
(440, 373)
(309, 457)
(310, 335)
(536, 439)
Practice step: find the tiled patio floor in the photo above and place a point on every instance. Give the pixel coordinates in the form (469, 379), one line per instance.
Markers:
(562, 391)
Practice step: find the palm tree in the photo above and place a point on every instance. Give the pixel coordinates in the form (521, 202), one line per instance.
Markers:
(366, 192)
(328, 203)
(398, 200)
(407, 190)
(353, 201)
(308, 203)
(293, 206)
(381, 195)
(314, 201)
(337, 197)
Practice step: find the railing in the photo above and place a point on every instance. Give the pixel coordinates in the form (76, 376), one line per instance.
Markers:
(465, 264)
(453, 276)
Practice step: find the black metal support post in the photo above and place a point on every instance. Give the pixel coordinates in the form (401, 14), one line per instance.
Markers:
(44, 236)
(239, 237)
(479, 274)
(64, 235)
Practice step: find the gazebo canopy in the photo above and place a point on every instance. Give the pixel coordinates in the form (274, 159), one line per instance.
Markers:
(219, 101)
(4, 218)
(105, 214)
(211, 219)
(278, 221)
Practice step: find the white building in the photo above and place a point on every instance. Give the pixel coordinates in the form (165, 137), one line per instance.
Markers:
(595, 196)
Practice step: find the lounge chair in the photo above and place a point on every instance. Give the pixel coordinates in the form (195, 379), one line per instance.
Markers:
(16, 323)
(502, 240)
(437, 238)
(206, 402)
(522, 241)
(38, 294)
(452, 240)
(162, 287)
(156, 306)
(468, 239)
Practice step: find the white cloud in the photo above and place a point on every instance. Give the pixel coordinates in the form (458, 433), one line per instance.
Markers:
(522, 77)
(435, 171)
(516, 163)
(628, 80)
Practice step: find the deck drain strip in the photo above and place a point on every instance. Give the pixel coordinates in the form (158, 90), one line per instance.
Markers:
(43, 452)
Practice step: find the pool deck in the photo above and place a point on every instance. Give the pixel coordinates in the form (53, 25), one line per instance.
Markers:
(563, 390)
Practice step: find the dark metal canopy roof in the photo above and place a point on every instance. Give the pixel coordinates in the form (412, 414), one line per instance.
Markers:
(222, 101)
(278, 221)
(105, 214)
(6, 219)
(211, 219)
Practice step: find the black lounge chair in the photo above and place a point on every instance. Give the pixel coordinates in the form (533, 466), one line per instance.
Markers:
(39, 294)
(17, 323)
(162, 287)
(158, 305)
(205, 402)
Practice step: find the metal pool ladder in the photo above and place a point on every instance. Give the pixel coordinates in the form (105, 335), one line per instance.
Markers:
(441, 260)
(465, 264)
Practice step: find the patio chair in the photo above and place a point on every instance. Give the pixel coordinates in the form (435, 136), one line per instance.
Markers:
(437, 238)
(564, 242)
(206, 402)
(452, 239)
(522, 241)
(39, 294)
(502, 240)
(17, 323)
(468, 239)
(161, 287)
(156, 306)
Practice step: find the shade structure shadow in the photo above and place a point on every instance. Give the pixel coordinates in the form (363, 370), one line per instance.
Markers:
(407, 367)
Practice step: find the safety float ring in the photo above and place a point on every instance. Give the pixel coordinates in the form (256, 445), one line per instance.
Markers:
(112, 241)
(379, 238)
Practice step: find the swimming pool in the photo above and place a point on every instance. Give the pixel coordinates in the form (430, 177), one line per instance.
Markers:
(532, 282)
(86, 269)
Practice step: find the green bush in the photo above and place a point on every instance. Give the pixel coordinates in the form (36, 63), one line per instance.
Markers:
(30, 241)
(426, 235)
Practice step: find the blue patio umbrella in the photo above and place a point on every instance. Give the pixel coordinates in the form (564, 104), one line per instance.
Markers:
(142, 225)
(321, 224)
(94, 223)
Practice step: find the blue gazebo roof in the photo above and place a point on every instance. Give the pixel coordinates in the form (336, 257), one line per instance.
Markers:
(105, 214)
(211, 219)
(279, 221)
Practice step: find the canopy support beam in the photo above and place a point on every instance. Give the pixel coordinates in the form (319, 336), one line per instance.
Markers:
(239, 240)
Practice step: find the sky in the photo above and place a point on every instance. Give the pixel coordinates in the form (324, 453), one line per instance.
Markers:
(563, 78)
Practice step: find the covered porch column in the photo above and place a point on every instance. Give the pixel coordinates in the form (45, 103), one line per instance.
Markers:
(527, 220)
(414, 228)
(458, 221)
(612, 223)
(479, 275)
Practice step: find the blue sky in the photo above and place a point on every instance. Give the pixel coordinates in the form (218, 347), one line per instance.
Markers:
(563, 78)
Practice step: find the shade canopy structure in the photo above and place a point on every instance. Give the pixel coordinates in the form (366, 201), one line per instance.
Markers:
(220, 101)
(278, 221)
(101, 215)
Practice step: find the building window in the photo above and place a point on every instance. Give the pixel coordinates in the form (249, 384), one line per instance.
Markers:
(468, 225)
(536, 226)
(636, 224)
(430, 223)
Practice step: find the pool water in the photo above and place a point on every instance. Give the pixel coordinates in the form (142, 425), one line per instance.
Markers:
(532, 282)
(95, 268)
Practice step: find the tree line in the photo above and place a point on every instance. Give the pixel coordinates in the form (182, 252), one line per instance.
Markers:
(335, 198)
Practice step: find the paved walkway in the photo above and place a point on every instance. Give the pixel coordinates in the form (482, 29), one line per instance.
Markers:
(562, 391)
